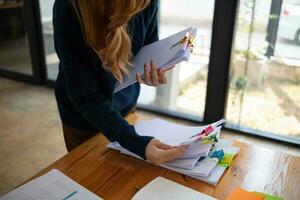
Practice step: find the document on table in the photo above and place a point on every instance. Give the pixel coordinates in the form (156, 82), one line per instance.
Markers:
(54, 185)
(161, 189)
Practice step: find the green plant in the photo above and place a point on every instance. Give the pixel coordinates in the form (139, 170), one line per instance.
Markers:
(241, 83)
(246, 24)
(240, 86)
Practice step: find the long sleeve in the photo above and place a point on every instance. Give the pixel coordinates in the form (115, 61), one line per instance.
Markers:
(152, 30)
(87, 91)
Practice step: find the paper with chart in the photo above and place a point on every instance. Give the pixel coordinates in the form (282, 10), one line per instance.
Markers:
(165, 53)
(207, 156)
(162, 189)
(54, 185)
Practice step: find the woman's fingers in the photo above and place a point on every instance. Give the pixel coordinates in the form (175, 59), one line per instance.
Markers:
(147, 77)
(158, 152)
(169, 68)
(162, 77)
(163, 146)
(139, 78)
(171, 154)
(152, 76)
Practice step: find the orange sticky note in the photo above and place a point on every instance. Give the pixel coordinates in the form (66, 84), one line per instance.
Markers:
(241, 194)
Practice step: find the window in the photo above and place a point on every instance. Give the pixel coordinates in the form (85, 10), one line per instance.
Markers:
(264, 90)
(14, 45)
(186, 88)
(47, 31)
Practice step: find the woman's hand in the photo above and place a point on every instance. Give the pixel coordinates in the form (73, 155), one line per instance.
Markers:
(158, 152)
(152, 75)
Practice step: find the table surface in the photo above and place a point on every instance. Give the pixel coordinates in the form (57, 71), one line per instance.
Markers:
(112, 175)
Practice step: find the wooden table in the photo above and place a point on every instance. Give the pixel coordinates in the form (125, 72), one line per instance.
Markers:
(112, 175)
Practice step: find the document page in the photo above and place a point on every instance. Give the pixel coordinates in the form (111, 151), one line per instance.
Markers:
(54, 185)
(161, 189)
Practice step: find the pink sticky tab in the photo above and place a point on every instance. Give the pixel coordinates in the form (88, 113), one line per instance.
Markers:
(208, 129)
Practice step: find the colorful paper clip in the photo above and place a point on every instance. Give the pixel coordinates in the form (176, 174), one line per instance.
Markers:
(208, 129)
(188, 38)
(227, 160)
(217, 154)
(210, 139)
(205, 132)
(191, 42)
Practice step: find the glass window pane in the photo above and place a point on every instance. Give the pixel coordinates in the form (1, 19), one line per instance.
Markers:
(47, 30)
(264, 91)
(14, 46)
(186, 88)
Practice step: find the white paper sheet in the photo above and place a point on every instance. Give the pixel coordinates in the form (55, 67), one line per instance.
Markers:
(201, 169)
(213, 177)
(163, 189)
(184, 163)
(171, 133)
(54, 185)
(196, 149)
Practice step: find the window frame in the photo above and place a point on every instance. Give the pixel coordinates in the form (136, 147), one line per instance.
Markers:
(223, 32)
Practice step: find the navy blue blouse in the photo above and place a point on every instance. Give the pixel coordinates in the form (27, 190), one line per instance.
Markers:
(85, 91)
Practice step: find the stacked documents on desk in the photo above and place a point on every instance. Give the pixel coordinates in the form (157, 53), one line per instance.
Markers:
(165, 53)
(207, 155)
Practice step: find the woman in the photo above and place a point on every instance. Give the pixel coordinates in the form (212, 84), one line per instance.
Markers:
(95, 41)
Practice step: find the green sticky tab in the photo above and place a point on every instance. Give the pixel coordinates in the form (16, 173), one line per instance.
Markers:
(205, 141)
(268, 196)
(227, 160)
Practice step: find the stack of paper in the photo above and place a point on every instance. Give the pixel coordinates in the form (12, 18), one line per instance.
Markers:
(165, 53)
(161, 189)
(207, 156)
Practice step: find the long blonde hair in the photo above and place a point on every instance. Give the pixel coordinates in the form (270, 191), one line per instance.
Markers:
(104, 25)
